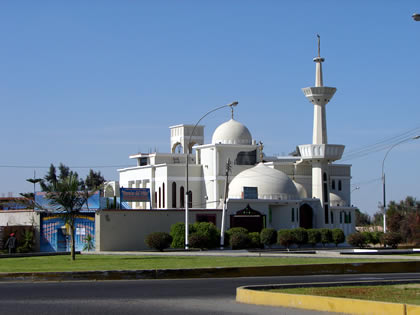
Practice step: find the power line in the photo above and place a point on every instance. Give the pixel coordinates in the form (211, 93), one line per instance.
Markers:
(37, 166)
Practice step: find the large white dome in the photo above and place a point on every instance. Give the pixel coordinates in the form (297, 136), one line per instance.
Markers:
(271, 183)
(301, 190)
(232, 132)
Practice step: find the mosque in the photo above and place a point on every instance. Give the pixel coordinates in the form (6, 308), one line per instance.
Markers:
(231, 183)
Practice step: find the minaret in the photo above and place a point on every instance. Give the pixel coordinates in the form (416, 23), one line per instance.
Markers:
(320, 153)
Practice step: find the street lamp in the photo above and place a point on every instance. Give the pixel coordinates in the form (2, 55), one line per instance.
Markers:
(416, 17)
(231, 105)
(383, 173)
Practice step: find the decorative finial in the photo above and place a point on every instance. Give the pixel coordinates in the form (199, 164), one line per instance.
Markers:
(319, 45)
(231, 110)
(261, 150)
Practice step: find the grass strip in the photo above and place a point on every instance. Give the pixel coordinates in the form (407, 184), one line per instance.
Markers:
(406, 293)
(131, 262)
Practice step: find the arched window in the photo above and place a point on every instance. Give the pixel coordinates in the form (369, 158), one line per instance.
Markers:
(190, 201)
(182, 197)
(341, 217)
(293, 215)
(173, 195)
(339, 185)
(160, 197)
(325, 192)
(325, 177)
(326, 214)
(349, 217)
(155, 200)
(333, 184)
(332, 217)
(163, 195)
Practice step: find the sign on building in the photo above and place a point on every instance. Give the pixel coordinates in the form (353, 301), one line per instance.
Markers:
(135, 194)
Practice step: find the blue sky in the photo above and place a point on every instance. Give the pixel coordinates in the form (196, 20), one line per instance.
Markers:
(87, 83)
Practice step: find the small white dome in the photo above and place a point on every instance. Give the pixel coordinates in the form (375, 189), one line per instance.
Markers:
(336, 201)
(301, 190)
(232, 132)
(271, 183)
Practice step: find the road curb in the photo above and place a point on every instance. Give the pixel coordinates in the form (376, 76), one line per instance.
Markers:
(221, 272)
(257, 296)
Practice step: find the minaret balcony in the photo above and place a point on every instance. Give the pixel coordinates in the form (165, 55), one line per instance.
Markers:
(319, 95)
(329, 152)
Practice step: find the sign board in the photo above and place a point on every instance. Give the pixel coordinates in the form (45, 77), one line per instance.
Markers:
(250, 192)
(81, 231)
(135, 194)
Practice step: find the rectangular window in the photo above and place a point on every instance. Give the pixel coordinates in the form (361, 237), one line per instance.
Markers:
(293, 215)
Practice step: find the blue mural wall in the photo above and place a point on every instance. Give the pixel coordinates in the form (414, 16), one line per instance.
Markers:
(55, 235)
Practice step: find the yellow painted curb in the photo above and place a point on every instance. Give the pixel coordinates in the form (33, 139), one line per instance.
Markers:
(322, 303)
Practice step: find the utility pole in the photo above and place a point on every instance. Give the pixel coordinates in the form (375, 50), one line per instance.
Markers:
(222, 229)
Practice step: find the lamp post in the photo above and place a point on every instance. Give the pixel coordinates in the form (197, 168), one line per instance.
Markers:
(231, 105)
(383, 173)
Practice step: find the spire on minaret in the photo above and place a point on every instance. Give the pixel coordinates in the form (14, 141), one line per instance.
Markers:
(231, 110)
(319, 96)
(319, 60)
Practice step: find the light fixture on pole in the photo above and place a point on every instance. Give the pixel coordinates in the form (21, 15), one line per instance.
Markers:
(187, 192)
(416, 17)
(383, 173)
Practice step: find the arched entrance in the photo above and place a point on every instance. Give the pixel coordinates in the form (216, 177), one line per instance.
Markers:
(248, 218)
(305, 216)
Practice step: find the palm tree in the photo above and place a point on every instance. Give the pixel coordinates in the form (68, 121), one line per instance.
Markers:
(65, 196)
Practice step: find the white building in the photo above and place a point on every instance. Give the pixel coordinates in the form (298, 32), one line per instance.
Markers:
(306, 189)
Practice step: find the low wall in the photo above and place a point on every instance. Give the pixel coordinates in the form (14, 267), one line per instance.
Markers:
(126, 230)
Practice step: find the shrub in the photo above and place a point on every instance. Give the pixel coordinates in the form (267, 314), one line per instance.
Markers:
(240, 240)
(391, 239)
(209, 231)
(314, 236)
(285, 238)
(368, 236)
(338, 236)
(268, 237)
(300, 236)
(326, 236)
(376, 237)
(255, 242)
(232, 231)
(89, 243)
(356, 239)
(178, 234)
(27, 241)
(197, 240)
(158, 240)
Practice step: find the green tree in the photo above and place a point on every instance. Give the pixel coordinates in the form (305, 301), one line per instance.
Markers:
(314, 236)
(338, 236)
(326, 236)
(300, 235)
(362, 219)
(285, 238)
(67, 194)
(268, 236)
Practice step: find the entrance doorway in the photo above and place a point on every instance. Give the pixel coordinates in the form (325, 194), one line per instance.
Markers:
(248, 218)
(305, 216)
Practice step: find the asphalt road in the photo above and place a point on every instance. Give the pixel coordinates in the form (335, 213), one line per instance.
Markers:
(186, 296)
